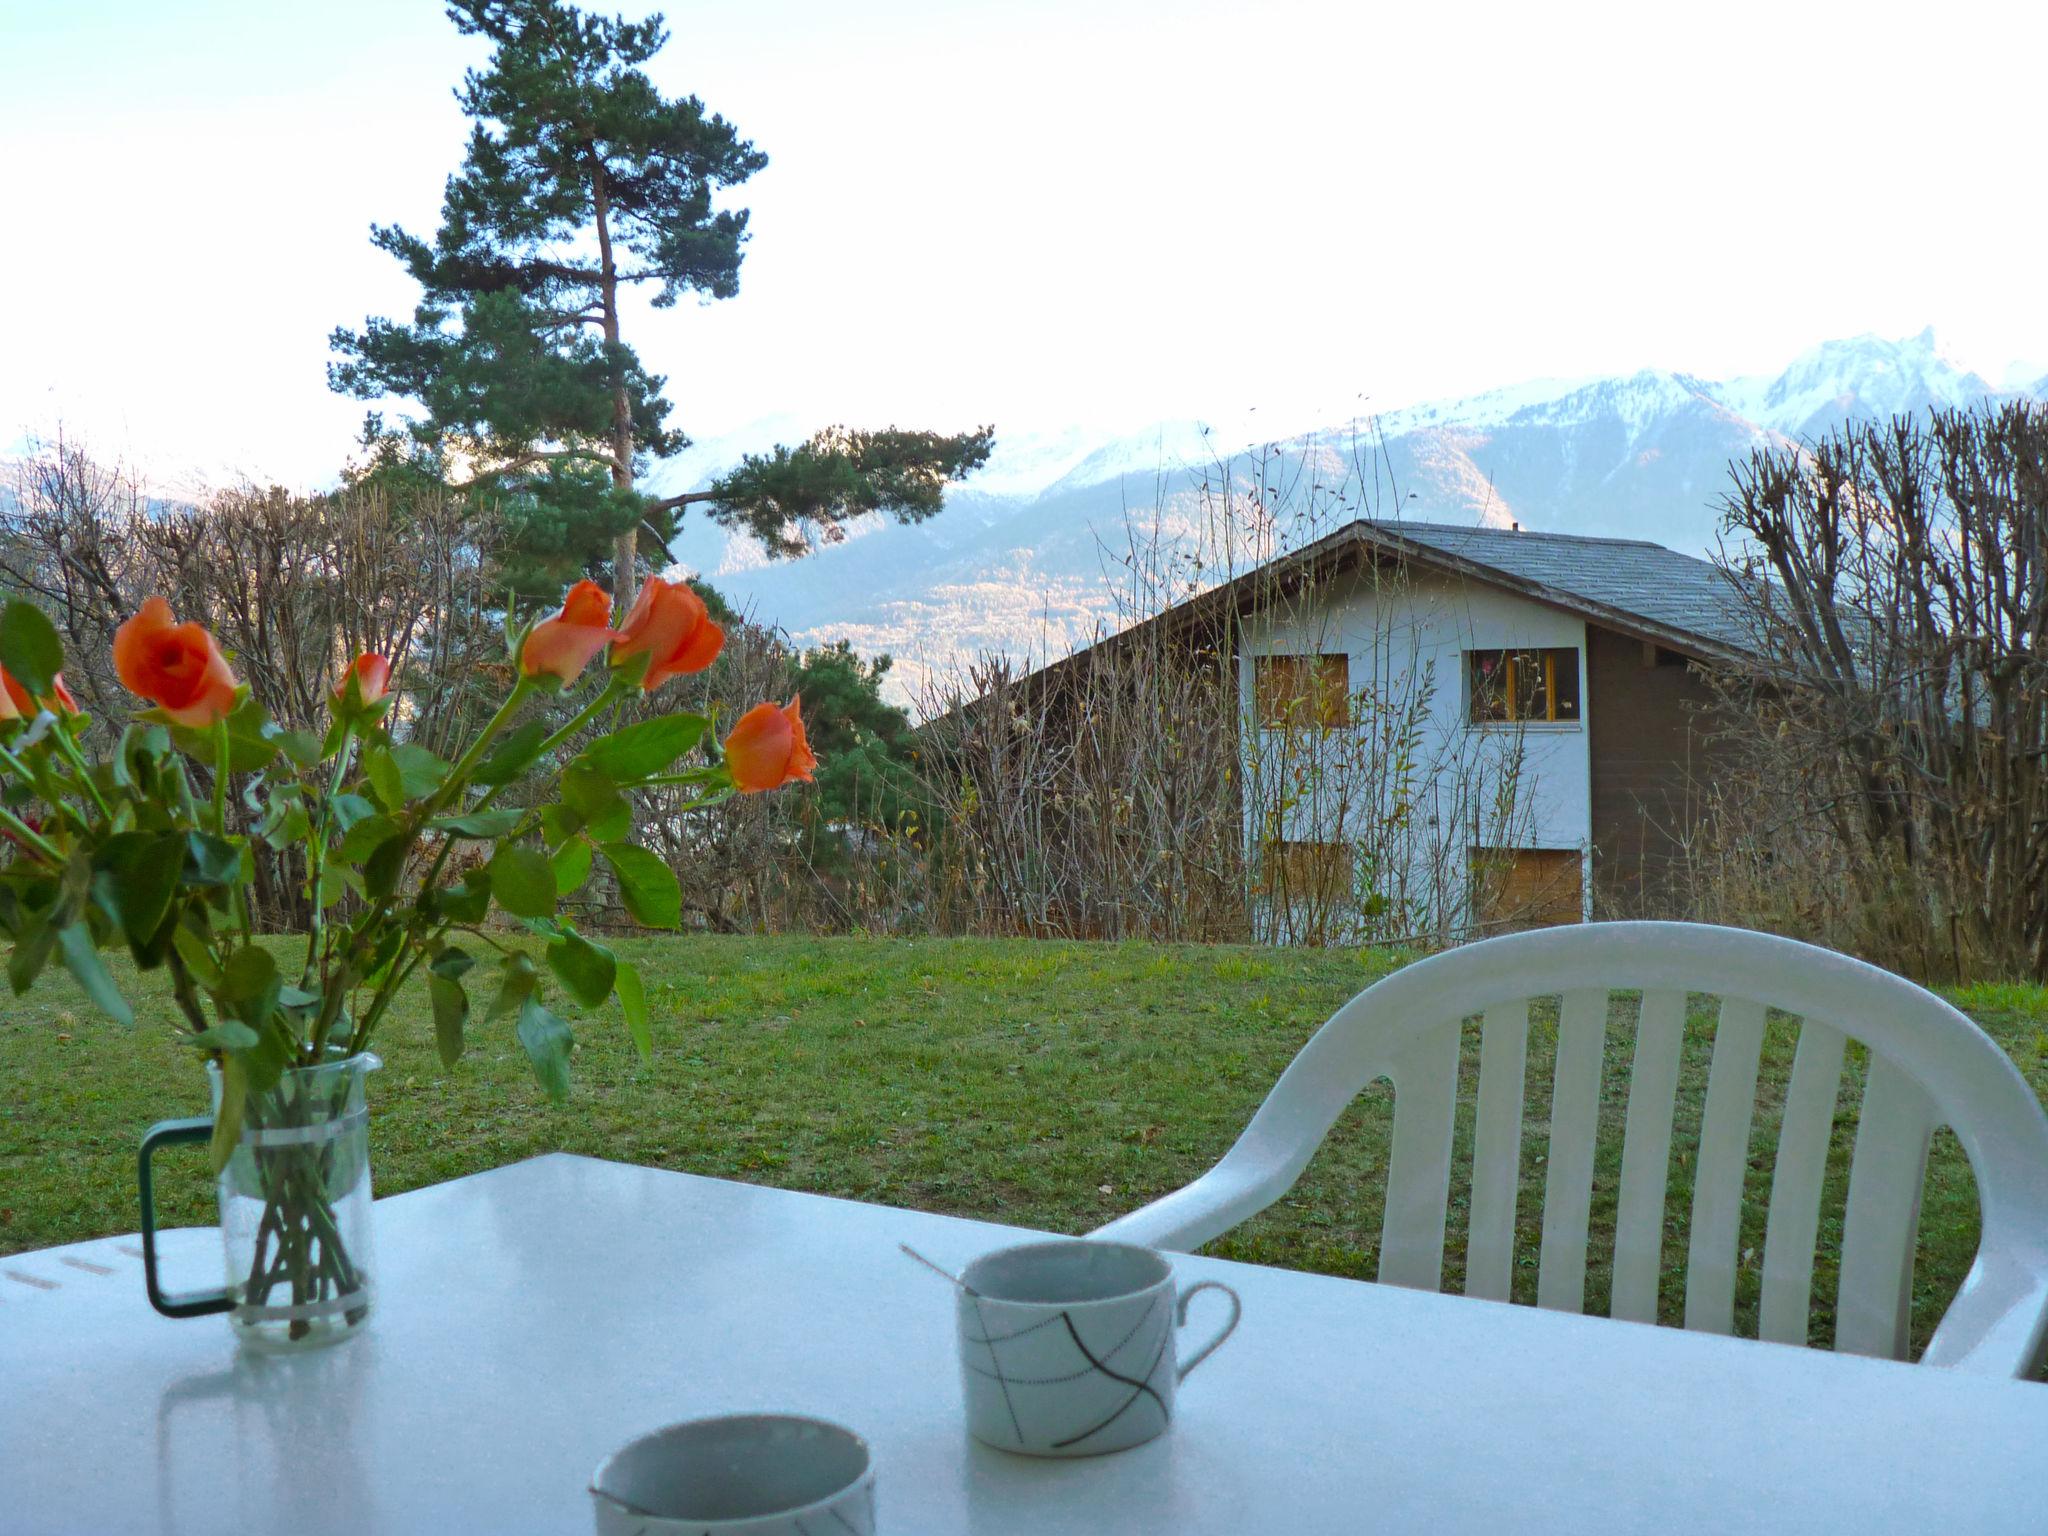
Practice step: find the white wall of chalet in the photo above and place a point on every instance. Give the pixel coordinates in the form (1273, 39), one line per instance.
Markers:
(1414, 631)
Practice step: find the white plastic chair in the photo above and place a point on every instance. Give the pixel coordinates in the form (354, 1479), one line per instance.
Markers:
(1929, 1066)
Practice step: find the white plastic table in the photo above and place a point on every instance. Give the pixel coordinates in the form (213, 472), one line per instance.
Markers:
(532, 1318)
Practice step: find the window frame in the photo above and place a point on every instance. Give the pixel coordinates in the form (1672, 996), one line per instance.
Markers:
(1510, 693)
(1319, 705)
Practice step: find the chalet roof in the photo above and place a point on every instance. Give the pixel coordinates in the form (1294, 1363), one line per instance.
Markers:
(1639, 585)
(1630, 585)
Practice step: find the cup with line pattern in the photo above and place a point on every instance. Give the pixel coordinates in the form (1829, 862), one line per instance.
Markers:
(1068, 1348)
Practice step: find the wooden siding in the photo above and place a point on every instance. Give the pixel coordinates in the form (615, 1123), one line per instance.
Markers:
(1648, 759)
(1516, 888)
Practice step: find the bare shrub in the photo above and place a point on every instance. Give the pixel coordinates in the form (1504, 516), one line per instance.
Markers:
(293, 587)
(1889, 791)
(1158, 784)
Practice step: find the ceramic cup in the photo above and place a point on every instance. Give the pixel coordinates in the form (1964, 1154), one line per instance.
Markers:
(1067, 1347)
(746, 1474)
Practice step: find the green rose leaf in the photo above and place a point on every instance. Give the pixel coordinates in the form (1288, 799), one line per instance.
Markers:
(420, 771)
(347, 810)
(595, 799)
(34, 938)
(252, 739)
(302, 747)
(227, 1035)
(285, 824)
(137, 755)
(210, 860)
(547, 1041)
(84, 963)
(135, 875)
(452, 963)
(523, 880)
(647, 885)
(249, 985)
(334, 883)
(402, 774)
(517, 750)
(633, 1002)
(364, 837)
(572, 866)
(520, 978)
(485, 825)
(584, 969)
(647, 748)
(191, 948)
(383, 867)
(29, 646)
(451, 1012)
(264, 1062)
(468, 901)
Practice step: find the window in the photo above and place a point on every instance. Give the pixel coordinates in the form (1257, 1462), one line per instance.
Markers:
(1290, 692)
(1524, 685)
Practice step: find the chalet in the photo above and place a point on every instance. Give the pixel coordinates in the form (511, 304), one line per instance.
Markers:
(1528, 711)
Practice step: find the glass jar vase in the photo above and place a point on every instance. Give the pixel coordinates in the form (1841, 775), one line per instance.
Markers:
(294, 1209)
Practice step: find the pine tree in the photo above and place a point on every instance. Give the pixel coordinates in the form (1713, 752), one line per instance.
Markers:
(582, 182)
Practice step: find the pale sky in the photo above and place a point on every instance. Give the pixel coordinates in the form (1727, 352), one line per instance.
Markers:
(1037, 214)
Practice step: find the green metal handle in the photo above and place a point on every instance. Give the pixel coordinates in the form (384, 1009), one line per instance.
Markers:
(168, 1133)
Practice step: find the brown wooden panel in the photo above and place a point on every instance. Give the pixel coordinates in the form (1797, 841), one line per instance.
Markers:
(1650, 754)
(1306, 871)
(1526, 888)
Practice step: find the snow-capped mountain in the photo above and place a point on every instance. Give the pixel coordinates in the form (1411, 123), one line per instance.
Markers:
(1030, 555)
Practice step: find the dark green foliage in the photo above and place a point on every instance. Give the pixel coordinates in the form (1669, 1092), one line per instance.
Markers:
(840, 474)
(582, 180)
(861, 739)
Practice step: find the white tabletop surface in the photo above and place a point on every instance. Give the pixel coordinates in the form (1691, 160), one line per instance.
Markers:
(532, 1318)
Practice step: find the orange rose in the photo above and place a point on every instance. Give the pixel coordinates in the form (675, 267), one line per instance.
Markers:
(368, 676)
(561, 647)
(177, 667)
(16, 704)
(672, 628)
(767, 749)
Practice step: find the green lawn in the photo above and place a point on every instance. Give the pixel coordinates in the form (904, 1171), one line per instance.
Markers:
(1050, 1085)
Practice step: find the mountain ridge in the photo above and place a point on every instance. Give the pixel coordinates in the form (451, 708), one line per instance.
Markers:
(1028, 557)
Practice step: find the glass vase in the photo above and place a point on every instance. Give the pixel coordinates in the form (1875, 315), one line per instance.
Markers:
(295, 1208)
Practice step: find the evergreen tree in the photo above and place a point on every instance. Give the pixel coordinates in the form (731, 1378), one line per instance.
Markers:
(582, 182)
(862, 740)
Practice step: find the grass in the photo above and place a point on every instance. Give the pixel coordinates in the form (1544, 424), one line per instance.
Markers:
(1049, 1085)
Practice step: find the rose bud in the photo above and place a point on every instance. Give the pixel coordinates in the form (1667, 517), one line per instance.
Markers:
(672, 628)
(177, 667)
(16, 703)
(561, 647)
(364, 686)
(767, 748)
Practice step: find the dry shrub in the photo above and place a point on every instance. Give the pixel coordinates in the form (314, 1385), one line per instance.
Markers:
(1887, 782)
(293, 586)
(1135, 788)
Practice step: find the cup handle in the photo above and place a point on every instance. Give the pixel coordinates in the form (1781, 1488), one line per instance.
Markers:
(168, 1133)
(1181, 1320)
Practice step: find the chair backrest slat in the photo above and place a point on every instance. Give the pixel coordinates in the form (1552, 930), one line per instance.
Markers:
(1574, 1132)
(1425, 1078)
(1711, 1257)
(1874, 1304)
(1497, 1151)
(1646, 1156)
(1793, 1225)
